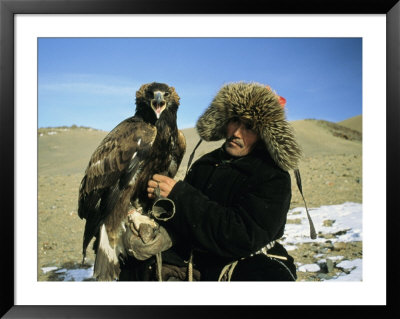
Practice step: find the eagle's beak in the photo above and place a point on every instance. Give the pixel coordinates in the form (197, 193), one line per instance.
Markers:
(158, 104)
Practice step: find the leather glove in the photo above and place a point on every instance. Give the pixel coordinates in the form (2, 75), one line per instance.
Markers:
(144, 237)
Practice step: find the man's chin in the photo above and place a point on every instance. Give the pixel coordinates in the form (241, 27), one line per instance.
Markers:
(233, 150)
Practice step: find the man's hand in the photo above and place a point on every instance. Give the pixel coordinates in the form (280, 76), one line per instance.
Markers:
(144, 237)
(163, 182)
(141, 251)
(142, 225)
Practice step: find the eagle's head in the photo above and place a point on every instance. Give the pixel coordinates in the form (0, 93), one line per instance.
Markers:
(153, 99)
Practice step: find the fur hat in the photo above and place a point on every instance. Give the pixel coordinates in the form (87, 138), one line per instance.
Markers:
(259, 105)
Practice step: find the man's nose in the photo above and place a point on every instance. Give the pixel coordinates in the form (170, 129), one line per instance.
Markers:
(238, 132)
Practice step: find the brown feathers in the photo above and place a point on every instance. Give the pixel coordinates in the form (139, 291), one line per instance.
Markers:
(116, 152)
(118, 171)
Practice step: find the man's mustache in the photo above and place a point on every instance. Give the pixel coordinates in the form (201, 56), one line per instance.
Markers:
(235, 140)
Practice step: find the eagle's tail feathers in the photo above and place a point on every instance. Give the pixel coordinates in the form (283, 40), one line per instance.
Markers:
(106, 266)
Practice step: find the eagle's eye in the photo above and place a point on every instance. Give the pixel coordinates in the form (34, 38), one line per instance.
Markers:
(166, 94)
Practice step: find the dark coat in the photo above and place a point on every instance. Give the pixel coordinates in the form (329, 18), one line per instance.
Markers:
(228, 208)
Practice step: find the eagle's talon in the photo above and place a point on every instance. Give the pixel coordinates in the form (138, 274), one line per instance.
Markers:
(132, 228)
(147, 233)
(142, 226)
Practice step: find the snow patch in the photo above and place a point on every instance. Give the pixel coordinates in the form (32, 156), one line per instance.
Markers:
(347, 227)
(309, 268)
(48, 269)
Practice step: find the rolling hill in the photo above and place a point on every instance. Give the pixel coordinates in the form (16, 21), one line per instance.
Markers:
(64, 151)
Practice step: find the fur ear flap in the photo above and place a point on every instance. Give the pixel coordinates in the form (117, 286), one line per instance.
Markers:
(211, 126)
(282, 145)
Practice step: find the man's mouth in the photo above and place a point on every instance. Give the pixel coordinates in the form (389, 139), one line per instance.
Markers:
(235, 140)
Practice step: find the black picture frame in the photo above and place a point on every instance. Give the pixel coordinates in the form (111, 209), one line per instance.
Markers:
(8, 10)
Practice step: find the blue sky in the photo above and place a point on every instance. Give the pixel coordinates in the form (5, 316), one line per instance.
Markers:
(92, 81)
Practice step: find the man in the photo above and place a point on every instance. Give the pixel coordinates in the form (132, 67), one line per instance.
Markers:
(232, 206)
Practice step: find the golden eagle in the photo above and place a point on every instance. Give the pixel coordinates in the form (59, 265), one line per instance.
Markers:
(116, 177)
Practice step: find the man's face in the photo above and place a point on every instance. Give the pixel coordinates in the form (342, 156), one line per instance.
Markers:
(240, 138)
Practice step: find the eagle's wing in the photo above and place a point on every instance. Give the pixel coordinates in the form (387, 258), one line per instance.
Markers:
(116, 153)
(177, 154)
(112, 165)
